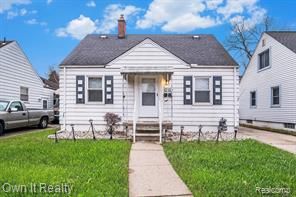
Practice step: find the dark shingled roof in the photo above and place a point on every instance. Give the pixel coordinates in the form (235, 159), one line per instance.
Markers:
(205, 50)
(49, 84)
(287, 38)
(2, 43)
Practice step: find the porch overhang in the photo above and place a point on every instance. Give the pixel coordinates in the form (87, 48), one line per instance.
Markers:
(147, 70)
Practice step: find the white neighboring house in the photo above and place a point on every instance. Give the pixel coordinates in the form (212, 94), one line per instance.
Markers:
(18, 79)
(172, 80)
(268, 86)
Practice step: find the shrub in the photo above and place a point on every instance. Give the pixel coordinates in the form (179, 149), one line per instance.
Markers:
(112, 121)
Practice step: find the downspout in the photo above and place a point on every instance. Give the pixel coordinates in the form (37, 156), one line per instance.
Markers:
(235, 96)
(64, 111)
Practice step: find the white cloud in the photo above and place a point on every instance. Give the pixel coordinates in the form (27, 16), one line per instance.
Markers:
(23, 12)
(235, 7)
(188, 22)
(49, 2)
(35, 22)
(15, 13)
(6, 5)
(162, 12)
(180, 17)
(91, 4)
(77, 28)
(213, 4)
(12, 14)
(111, 15)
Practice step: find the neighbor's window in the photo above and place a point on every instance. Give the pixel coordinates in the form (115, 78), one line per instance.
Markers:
(24, 94)
(44, 103)
(289, 125)
(264, 59)
(202, 90)
(95, 89)
(253, 98)
(275, 96)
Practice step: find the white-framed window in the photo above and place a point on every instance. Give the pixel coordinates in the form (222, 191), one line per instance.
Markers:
(275, 96)
(95, 89)
(24, 94)
(253, 99)
(45, 104)
(264, 61)
(202, 91)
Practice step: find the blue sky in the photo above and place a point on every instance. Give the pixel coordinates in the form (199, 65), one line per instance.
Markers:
(48, 30)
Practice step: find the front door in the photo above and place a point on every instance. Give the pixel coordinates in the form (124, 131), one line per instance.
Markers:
(148, 97)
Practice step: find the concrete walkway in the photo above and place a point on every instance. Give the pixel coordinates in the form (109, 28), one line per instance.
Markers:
(151, 174)
(282, 141)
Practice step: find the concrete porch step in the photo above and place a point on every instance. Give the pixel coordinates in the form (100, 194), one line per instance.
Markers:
(147, 137)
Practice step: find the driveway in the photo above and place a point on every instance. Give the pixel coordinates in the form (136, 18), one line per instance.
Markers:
(281, 141)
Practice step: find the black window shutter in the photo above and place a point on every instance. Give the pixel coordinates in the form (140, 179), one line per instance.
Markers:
(109, 90)
(187, 90)
(80, 89)
(217, 90)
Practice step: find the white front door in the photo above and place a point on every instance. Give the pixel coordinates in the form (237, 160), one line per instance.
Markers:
(148, 107)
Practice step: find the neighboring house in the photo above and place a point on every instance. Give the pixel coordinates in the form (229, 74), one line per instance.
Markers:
(268, 86)
(18, 79)
(171, 80)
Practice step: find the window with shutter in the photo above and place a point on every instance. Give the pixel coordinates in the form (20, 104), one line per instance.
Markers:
(95, 89)
(202, 90)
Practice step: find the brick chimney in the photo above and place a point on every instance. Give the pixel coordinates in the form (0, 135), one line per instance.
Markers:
(121, 27)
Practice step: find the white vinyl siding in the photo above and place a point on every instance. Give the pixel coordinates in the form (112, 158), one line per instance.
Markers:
(282, 73)
(16, 72)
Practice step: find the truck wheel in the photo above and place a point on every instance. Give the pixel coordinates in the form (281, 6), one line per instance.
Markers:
(1, 129)
(43, 123)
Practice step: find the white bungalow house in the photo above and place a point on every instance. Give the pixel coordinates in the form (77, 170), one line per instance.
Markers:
(19, 80)
(268, 86)
(169, 80)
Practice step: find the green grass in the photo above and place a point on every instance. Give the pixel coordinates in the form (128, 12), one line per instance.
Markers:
(232, 168)
(93, 168)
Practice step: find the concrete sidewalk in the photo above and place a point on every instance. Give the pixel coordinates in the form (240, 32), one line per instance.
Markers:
(282, 141)
(151, 174)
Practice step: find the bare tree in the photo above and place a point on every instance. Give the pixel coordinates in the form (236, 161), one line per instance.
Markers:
(244, 37)
(53, 74)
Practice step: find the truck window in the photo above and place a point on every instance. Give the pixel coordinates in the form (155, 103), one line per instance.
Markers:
(17, 105)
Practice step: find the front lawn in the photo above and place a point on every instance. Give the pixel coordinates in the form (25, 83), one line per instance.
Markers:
(92, 168)
(232, 168)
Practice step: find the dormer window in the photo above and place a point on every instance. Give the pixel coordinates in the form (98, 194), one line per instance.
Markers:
(264, 59)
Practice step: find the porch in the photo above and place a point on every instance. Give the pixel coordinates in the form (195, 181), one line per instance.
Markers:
(150, 91)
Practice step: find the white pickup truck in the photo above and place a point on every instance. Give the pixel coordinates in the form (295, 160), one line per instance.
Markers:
(14, 114)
